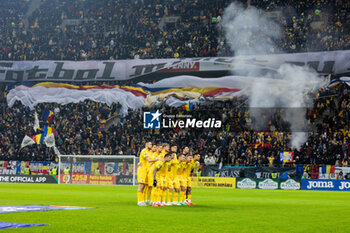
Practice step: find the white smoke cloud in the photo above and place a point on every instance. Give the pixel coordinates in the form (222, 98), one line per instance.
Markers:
(249, 32)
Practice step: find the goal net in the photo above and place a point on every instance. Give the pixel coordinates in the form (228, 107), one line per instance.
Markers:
(97, 169)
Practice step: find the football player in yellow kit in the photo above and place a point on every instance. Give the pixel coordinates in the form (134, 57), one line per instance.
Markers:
(181, 178)
(142, 171)
(158, 180)
(157, 155)
(164, 173)
(193, 165)
(153, 156)
(171, 177)
(178, 180)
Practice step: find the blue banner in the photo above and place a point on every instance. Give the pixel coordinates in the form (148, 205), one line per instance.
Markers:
(87, 168)
(326, 185)
(8, 225)
(30, 208)
(18, 168)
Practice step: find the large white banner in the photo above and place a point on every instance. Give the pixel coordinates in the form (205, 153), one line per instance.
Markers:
(336, 62)
(172, 94)
(31, 96)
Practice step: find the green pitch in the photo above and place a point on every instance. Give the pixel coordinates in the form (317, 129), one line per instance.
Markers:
(218, 210)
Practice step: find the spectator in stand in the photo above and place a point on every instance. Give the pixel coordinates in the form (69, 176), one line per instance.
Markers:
(347, 176)
(210, 160)
(271, 160)
(242, 173)
(340, 176)
(206, 160)
(305, 175)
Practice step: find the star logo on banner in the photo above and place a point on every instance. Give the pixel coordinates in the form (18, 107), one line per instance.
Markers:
(151, 120)
(156, 115)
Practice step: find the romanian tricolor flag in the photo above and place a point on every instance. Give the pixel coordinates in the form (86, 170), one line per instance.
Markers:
(39, 138)
(188, 107)
(47, 116)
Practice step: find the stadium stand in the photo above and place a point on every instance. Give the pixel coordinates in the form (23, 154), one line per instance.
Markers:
(80, 129)
(93, 30)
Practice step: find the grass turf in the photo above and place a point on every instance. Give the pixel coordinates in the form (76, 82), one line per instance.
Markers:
(218, 210)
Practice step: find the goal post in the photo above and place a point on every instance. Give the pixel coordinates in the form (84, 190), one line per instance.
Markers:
(97, 169)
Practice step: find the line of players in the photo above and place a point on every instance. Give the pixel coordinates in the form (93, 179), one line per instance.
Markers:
(165, 177)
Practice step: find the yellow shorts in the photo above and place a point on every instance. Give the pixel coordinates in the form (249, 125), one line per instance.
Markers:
(170, 183)
(141, 175)
(176, 183)
(150, 178)
(189, 181)
(161, 181)
(182, 182)
(146, 181)
(164, 181)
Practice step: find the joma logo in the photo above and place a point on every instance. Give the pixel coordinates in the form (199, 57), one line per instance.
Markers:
(320, 184)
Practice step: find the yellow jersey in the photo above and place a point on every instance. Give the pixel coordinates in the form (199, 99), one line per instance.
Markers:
(152, 155)
(174, 164)
(165, 169)
(195, 165)
(164, 173)
(161, 166)
(188, 169)
(152, 165)
(161, 154)
(143, 162)
(157, 155)
(181, 169)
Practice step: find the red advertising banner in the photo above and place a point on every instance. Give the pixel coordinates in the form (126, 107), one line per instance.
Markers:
(102, 179)
(88, 179)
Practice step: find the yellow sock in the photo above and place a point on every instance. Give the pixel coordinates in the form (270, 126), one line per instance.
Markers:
(189, 197)
(163, 195)
(145, 193)
(148, 195)
(169, 196)
(181, 196)
(176, 197)
(154, 195)
(184, 196)
(139, 196)
(159, 195)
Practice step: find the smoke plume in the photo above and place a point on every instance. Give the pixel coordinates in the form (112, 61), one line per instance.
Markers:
(248, 32)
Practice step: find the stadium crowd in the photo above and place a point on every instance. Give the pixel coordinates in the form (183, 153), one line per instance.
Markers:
(122, 29)
(95, 128)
